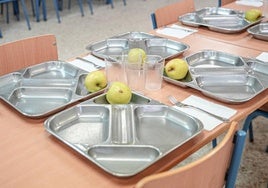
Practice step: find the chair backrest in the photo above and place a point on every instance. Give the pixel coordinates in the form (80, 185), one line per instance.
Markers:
(26, 52)
(208, 171)
(169, 14)
(224, 2)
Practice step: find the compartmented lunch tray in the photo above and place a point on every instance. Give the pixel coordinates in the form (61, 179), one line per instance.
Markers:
(151, 45)
(225, 77)
(43, 89)
(259, 31)
(218, 19)
(123, 140)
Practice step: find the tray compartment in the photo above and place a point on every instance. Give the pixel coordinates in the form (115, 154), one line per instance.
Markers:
(82, 125)
(64, 83)
(214, 59)
(235, 88)
(259, 31)
(80, 88)
(217, 11)
(51, 70)
(165, 47)
(39, 100)
(163, 127)
(215, 62)
(230, 21)
(122, 131)
(121, 160)
(108, 47)
(191, 19)
(260, 70)
(136, 99)
(8, 83)
(182, 82)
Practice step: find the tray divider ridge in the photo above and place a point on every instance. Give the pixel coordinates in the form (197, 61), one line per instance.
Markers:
(122, 125)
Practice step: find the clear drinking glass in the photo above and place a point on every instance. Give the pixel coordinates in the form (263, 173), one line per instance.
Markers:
(135, 72)
(154, 66)
(115, 69)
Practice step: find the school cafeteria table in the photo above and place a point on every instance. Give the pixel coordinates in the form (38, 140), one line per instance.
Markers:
(31, 157)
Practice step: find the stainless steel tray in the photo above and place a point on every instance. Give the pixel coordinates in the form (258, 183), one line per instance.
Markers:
(225, 77)
(123, 140)
(218, 19)
(43, 89)
(259, 31)
(152, 46)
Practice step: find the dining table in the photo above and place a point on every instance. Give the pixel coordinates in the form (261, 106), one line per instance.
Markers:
(31, 157)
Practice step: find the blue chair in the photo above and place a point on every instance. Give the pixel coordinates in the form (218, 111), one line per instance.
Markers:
(37, 4)
(112, 3)
(58, 6)
(217, 168)
(80, 3)
(16, 10)
(248, 122)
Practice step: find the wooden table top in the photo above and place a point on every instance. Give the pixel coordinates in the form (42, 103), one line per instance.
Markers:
(31, 157)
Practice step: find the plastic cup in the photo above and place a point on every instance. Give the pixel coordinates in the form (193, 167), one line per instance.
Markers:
(154, 66)
(114, 69)
(135, 72)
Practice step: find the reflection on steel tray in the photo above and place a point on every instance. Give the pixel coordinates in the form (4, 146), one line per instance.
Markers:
(43, 89)
(218, 19)
(123, 140)
(259, 31)
(152, 45)
(135, 35)
(225, 77)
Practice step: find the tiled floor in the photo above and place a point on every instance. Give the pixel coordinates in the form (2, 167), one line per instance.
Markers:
(74, 33)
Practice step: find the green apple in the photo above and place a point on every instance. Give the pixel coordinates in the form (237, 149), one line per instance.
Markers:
(253, 14)
(95, 81)
(118, 93)
(135, 54)
(176, 69)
